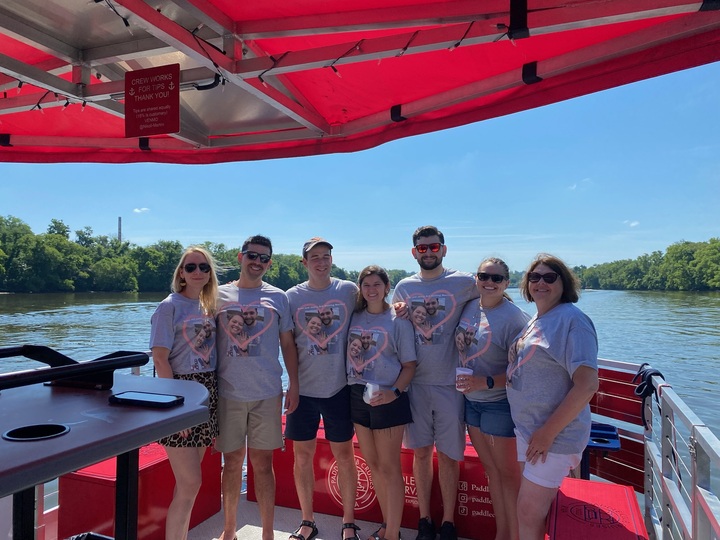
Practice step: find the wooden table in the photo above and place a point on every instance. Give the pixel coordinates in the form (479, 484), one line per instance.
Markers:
(97, 431)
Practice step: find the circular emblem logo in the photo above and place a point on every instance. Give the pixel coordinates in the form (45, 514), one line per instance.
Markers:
(365, 493)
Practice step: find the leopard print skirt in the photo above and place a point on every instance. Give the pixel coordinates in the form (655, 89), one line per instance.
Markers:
(202, 434)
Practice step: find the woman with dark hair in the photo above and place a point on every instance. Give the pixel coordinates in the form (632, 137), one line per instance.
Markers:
(190, 306)
(423, 328)
(317, 338)
(551, 377)
(380, 417)
(486, 332)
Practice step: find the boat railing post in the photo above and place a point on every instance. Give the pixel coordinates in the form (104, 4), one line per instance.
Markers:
(135, 370)
(668, 475)
(651, 472)
(705, 449)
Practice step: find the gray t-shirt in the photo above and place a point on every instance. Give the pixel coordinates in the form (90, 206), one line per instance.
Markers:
(483, 339)
(377, 346)
(249, 324)
(543, 359)
(434, 307)
(322, 318)
(179, 325)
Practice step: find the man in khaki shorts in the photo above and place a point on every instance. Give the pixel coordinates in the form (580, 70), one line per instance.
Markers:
(250, 386)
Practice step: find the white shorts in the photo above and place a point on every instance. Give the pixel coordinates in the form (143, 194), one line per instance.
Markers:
(551, 473)
(438, 414)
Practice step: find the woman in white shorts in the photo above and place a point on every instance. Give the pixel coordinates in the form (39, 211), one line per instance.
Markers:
(551, 377)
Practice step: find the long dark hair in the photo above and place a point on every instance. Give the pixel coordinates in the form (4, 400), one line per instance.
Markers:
(372, 270)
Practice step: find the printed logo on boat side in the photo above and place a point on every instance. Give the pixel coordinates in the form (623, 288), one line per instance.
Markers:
(365, 493)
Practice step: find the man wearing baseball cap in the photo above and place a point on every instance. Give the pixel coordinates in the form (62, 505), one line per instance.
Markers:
(323, 384)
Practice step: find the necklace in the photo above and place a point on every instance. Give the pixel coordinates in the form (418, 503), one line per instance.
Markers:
(371, 316)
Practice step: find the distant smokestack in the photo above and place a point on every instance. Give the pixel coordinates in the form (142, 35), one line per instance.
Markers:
(119, 229)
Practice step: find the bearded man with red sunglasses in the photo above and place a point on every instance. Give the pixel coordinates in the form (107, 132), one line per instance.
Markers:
(437, 407)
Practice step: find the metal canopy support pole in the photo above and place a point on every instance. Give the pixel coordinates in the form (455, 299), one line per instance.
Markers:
(24, 513)
(126, 495)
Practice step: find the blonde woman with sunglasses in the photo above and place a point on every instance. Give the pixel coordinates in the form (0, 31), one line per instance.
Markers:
(551, 376)
(183, 345)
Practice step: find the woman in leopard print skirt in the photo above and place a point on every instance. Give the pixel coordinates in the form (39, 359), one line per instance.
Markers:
(183, 347)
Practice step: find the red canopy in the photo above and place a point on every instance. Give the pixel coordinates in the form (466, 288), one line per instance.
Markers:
(282, 78)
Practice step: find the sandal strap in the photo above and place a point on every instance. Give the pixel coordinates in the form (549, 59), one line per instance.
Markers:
(305, 523)
(376, 534)
(350, 526)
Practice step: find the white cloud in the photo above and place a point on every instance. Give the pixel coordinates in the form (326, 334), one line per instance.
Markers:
(583, 184)
(141, 210)
(631, 223)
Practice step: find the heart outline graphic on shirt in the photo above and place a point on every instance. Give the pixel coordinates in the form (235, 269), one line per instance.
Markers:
(301, 320)
(532, 336)
(449, 310)
(357, 331)
(196, 347)
(268, 318)
(487, 334)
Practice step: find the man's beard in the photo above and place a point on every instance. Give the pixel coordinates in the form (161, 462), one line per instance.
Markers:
(430, 265)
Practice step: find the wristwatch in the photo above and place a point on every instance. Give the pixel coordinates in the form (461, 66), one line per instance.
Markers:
(490, 382)
(396, 391)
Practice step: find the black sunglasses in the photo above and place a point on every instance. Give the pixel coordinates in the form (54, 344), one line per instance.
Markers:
(252, 255)
(550, 277)
(496, 278)
(422, 248)
(191, 267)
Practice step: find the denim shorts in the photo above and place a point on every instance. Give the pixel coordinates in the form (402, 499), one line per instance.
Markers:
(490, 417)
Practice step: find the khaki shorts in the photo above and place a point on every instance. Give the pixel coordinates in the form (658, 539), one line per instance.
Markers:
(257, 422)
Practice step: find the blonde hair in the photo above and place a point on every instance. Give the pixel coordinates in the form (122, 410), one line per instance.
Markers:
(208, 295)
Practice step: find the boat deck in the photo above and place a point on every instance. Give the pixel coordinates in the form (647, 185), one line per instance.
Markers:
(286, 521)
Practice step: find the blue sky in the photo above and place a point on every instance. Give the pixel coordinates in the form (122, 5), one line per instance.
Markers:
(604, 177)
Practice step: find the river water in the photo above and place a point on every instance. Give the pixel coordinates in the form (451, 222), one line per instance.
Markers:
(678, 333)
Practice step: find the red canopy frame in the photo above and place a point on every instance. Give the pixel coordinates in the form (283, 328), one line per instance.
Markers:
(290, 78)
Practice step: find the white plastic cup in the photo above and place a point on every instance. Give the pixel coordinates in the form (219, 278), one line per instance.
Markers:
(370, 390)
(461, 371)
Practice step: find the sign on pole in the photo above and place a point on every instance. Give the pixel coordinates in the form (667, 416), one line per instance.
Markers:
(152, 101)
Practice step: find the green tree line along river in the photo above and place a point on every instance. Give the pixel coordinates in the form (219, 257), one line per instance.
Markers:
(52, 262)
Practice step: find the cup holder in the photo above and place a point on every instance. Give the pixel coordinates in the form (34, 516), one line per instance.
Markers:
(600, 440)
(36, 432)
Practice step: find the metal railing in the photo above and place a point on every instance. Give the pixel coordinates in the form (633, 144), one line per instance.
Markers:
(682, 470)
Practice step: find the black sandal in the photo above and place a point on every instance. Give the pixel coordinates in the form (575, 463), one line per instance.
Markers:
(305, 523)
(350, 526)
(376, 534)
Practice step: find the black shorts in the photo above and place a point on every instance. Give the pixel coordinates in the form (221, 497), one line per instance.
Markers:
(396, 413)
(303, 423)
